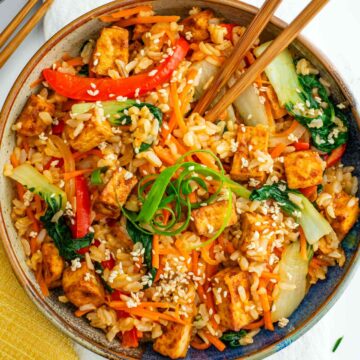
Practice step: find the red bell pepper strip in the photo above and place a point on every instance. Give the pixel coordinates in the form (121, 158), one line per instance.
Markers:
(309, 191)
(229, 28)
(108, 264)
(93, 89)
(335, 155)
(83, 208)
(59, 128)
(301, 146)
(130, 338)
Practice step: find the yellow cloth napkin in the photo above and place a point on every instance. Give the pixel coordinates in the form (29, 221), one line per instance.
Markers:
(24, 332)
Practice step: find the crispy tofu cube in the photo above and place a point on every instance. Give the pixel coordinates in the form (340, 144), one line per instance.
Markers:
(116, 192)
(303, 169)
(112, 45)
(209, 219)
(83, 286)
(175, 341)
(257, 236)
(229, 306)
(251, 140)
(197, 25)
(53, 265)
(93, 134)
(30, 119)
(346, 208)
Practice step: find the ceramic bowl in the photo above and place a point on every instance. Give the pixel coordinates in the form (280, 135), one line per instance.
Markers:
(69, 40)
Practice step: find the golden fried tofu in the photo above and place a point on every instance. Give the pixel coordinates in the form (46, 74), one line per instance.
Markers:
(226, 286)
(346, 208)
(83, 286)
(303, 169)
(30, 122)
(53, 265)
(197, 25)
(116, 192)
(257, 236)
(175, 340)
(112, 45)
(93, 134)
(253, 144)
(209, 219)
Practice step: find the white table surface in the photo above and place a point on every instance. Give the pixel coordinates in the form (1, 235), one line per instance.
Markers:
(335, 31)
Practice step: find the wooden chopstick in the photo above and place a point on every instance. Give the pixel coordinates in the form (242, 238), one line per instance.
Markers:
(23, 32)
(231, 64)
(8, 31)
(278, 45)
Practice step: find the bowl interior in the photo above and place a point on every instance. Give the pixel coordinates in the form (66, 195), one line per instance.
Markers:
(69, 40)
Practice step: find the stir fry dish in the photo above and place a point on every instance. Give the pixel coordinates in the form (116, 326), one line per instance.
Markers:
(159, 225)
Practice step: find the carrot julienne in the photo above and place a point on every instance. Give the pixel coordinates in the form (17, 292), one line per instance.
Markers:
(215, 341)
(124, 13)
(147, 20)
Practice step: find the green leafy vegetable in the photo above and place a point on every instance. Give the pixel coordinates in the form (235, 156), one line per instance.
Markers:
(278, 192)
(232, 338)
(56, 200)
(60, 232)
(95, 177)
(136, 236)
(37, 183)
(327, 125)
(100, 270)
(116, 112)
(312, 222)
(166, 191)
(337, 343)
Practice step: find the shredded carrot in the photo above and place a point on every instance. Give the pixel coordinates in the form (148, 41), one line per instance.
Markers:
(277, 150)
(41, 281)
(77, 61)
(153, 315)
(180, 147)
(36, 82)
(38, 205)
(14, 160)
(215, 341)
(146, 20)
(159, 271)
(310, 192)
(254, 325)
(207, 160)
(268, 275)
(164, 155)
(34, 245)
(72, 174)
(176, 107)
(195, 262)
(205, 254)
(277, 111)
(20, 191)
(124, 13)
(303, 251)
(267, 314)
(34, 221)
(80, 313)
(226, 244)
(155, 250)
(193, 197)
(199, 346)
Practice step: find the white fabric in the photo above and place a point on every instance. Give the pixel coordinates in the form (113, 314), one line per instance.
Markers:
(317, 343)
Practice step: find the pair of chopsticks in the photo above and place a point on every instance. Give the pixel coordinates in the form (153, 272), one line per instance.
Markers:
(8, 50)
(243, 46)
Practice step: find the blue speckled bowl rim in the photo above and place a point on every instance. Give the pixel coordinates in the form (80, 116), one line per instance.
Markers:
(34, 293)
